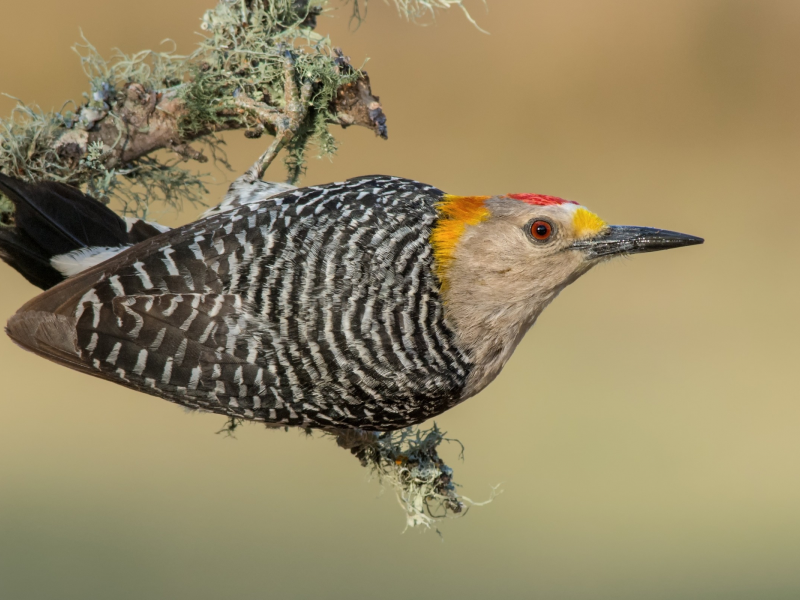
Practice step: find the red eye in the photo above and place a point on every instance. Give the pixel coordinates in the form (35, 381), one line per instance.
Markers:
(541, 230)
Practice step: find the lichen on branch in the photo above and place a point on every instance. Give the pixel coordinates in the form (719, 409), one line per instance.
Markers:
(242, 76)
(408, 462)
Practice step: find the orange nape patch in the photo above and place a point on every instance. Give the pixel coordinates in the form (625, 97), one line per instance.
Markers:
(455, 213)
(586, 223)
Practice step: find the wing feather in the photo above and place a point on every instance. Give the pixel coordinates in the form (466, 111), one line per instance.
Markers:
(302, 309)
(152, 318)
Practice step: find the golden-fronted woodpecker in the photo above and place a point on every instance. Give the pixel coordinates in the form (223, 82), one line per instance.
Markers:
(375, 303)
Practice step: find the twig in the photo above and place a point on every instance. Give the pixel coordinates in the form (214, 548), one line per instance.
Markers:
(286, 123)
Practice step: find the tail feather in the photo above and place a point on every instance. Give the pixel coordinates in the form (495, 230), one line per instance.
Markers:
(60, 217)
(26, 257)
(57, 231)
(53, 219)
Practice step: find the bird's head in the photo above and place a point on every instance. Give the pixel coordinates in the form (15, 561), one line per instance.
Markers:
(501, 259)
(531, 244)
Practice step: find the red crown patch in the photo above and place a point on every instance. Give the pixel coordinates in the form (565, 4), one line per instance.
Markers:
(540, 199)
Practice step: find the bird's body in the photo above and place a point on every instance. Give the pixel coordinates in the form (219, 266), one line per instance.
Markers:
(374, 304)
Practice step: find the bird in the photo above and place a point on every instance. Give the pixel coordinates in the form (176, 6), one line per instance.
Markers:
(373, 304)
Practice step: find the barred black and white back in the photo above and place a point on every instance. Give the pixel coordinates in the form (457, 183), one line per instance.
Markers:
(316, 307)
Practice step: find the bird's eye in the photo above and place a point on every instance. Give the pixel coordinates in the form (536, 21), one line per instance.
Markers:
(540, 230)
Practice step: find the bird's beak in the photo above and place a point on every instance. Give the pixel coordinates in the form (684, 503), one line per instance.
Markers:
(626, 239)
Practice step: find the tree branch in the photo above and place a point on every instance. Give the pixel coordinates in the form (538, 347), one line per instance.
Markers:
(261, 68)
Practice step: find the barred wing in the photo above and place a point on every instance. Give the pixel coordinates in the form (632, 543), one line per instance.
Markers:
(317, 307)
(143, 321)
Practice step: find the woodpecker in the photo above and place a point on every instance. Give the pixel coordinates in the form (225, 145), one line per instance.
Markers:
(374, 303)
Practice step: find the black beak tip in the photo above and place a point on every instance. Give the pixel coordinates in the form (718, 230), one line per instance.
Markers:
(683, 239)
(625, 239)
(646, 239)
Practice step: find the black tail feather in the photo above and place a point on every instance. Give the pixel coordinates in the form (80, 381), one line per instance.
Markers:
(50, 219)
(27, 258)
(60, 217)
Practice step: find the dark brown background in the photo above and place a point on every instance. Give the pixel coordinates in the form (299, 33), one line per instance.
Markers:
(646, 433)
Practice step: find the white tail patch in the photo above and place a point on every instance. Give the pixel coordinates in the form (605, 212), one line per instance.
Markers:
(77, 261)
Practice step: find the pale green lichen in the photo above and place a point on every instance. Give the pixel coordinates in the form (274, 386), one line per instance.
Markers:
(31, 138)
(27, 144)
(244, 52)
(407, 461)
(153, 70)
(416, 10)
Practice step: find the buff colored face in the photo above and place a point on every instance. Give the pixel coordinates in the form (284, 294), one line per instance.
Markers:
(502, 259)
(530, 246)
(520, 243)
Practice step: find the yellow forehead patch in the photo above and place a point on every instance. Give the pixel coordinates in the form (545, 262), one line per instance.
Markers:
(586, 224)
(455, 213)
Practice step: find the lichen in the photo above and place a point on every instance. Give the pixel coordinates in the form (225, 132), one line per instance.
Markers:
(27, 144)
(416, 10)
(245, 48)
(244, 54)
(407, 461)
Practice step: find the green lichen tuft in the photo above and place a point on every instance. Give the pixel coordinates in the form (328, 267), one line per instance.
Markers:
(415, 10)
(245, 54)
(202, 101)
(27, 141)
(408, 462)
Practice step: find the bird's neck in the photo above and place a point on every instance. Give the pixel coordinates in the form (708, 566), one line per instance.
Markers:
(489, 332)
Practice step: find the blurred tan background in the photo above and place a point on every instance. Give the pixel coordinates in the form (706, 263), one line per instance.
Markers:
(646, 433)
